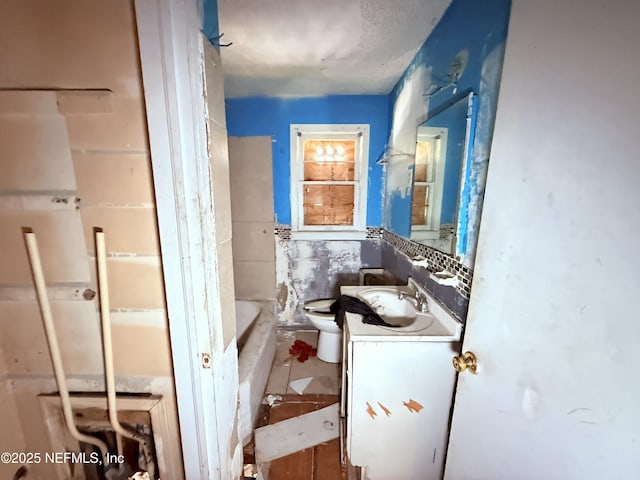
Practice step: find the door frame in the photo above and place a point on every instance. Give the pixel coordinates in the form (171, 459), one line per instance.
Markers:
(171, 56)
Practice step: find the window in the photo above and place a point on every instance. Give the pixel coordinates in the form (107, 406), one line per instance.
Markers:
(329, 180)
(428, 179)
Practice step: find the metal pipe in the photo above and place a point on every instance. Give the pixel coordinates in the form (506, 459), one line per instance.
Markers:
(54, 348)
(107, 346)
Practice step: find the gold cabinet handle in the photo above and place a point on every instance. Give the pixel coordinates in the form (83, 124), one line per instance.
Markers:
(466, 361)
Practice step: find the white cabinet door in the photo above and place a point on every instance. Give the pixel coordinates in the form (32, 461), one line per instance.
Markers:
(400, 399)
(553, 316)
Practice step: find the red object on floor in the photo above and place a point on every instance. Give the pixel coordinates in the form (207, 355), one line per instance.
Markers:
(302, 350)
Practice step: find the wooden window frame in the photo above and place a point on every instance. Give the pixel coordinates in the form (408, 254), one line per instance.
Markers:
(298, 134)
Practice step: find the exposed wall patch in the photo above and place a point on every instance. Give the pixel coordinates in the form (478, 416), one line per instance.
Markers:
(315, 269)
(371, 412)
(471, 209)
(386, 411)
(413, 406)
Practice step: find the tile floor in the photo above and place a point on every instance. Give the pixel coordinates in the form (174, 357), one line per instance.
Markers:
(326, 376)
(321, 462)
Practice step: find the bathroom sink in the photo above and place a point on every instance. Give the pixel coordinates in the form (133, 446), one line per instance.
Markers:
(435, 325)
(390, 305)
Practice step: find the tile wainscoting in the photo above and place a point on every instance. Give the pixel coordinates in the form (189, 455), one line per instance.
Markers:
(312, 269)
(397, 255)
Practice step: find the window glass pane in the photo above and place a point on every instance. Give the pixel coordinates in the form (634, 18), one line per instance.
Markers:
(418, 215)
(419, 205)
(329, 160)
(328, 204)
(422, 160)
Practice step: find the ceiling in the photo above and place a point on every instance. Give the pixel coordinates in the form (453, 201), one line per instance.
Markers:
(318, 47)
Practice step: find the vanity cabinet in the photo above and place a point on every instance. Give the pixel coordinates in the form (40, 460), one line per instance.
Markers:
(397, 390)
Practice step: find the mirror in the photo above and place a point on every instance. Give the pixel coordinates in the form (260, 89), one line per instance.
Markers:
(442, 154)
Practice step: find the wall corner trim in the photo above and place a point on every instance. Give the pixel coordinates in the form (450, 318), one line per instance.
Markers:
(171, 53)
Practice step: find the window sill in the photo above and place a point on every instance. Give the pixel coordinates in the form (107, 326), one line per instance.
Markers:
(328, 235)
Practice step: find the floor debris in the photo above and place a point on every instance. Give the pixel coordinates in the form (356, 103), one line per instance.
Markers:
(250, 471)
(325, 381)
(296, 434)
(140, 476)
(271, 400)
(300, 384)
(263, 471)
(302, 350)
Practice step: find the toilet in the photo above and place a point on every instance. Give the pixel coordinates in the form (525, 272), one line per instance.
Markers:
(330, 338)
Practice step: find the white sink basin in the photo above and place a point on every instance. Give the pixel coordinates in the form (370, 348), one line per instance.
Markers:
(436, 325)
(392, 308)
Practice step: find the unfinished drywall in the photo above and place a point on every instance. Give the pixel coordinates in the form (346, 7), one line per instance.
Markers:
(254, 263)
(11, 435)
(74, 149)
(313, 269)
(218, 151)
(226, 382)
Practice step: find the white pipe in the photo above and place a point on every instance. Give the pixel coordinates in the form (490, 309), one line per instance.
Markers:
(54, 348)
(107, 346)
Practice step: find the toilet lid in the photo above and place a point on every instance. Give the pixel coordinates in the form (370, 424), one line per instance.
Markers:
(319, 305)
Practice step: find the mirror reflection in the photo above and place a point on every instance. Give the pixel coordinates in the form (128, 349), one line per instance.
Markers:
(442, 151)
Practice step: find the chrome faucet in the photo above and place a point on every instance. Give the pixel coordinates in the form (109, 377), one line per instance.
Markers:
(418, 298)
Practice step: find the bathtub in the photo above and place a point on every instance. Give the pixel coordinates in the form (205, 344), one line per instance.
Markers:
(256, 334)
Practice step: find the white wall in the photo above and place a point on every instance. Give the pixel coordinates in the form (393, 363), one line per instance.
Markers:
(553, 313)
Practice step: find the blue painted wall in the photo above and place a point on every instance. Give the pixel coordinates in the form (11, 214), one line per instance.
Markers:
(261, 116)
(210, 20)
(455, 119)
(476, 26)
(481, 28)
